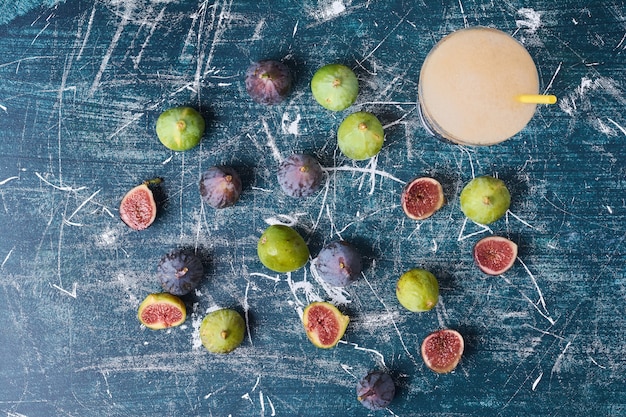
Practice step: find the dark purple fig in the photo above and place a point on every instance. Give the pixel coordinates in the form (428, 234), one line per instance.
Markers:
(268, 82)
(494, 255)
(442, 350)
(138, 208)
(180, 272)
(220, 186)
(376, 390)
(338, 263)
(300, 175)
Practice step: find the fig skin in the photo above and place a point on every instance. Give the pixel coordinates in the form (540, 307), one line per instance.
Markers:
(222, 331)
(417, 290)
(268, 82)
(335, 87)
(161, 311)
(180, 272)
(180, 128)
(442, 350)
(138, 208)
(376, 390)
(360, 136)
(338, 263)
(494, 255)
(300, 175)
(324, 324)
(422, 197)
(282, 249)
(485, 199)
(220, 187)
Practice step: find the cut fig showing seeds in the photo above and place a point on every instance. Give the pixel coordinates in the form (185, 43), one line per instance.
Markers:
(442, 350)
(324, 324)
(138, 208)
(376, 390)
(161, 311)
(422, 197)
(494, 255)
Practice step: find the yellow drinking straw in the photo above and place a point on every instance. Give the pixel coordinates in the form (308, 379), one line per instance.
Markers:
(536, 99)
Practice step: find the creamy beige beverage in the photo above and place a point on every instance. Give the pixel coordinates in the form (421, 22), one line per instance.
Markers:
(470, 86)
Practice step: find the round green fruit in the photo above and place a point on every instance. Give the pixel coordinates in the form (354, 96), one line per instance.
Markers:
(360, 136)
(417, 290)
(282, 249)
(485, 199)
(222, 331)
(335, 87)
(180, 128)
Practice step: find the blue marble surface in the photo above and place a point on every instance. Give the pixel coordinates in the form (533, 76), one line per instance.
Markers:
(81, 85)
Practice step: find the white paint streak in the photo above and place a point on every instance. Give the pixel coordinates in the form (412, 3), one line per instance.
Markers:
(379, 355)
(67, 220)
(366, 171)
(516, 217)
(87, 33)
(271, 142)
(284, 219)
(8, 179)
(153, 26)
(107, 56)
(531, 20)
(64, 291)
(536, 382)
(6, 258)
(62, 188)
(289, 126)
(621, 128)
(275, 278)
(483, 229)
(329, 10)
(559, 360)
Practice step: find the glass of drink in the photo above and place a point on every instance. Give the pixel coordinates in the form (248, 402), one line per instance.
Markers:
(478, 86)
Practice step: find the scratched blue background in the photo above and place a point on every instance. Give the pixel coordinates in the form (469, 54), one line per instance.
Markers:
(81, 85)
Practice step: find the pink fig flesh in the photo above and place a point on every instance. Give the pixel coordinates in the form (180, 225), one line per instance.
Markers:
(442, 350)
(422, 197)
(494, 255)
(138, 208)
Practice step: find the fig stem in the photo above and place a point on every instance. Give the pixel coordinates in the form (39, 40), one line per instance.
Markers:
(368, 393)
(153, 181)
(224, 334)
(181, 272)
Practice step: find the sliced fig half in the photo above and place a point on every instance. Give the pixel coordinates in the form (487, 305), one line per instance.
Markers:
(422, 197)
(442, 350)
(494, 255)
(324, 324)
(138, 208)
(161, 311)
